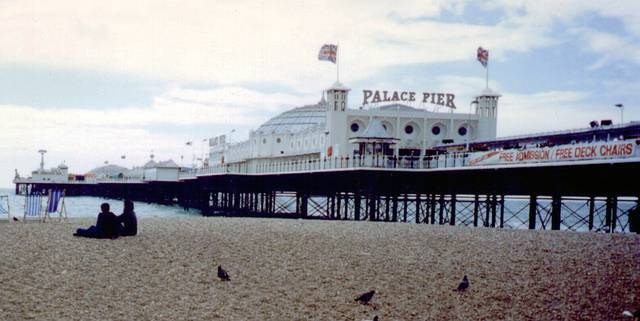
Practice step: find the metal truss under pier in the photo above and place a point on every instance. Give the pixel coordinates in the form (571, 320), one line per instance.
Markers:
(587, 197)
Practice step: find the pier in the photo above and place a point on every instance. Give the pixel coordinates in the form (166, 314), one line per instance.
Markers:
(591, 195)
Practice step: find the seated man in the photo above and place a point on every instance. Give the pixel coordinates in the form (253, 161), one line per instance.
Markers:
(128, 220)
(107, 226)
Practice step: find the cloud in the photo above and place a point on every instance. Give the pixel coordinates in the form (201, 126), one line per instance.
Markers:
(86, 137)
(230, 42)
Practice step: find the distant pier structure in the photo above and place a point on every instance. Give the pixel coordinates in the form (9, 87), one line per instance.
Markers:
(393, 163)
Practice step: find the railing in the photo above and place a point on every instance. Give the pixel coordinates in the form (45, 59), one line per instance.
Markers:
(333, 163)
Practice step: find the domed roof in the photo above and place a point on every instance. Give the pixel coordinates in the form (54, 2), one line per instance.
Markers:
(296, 120)
(63, 166)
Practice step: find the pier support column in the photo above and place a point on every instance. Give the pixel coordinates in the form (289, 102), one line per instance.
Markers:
(533, 208)
(487, 205)
(494, 202)
(476, 208)
(501, 211)
(614, 213)
(432, 203)
(556, 209)
(441, 209)
(609, 213)
(394, 205)
(356, 206)
(452, 221)
(592, 206)
(418, 202)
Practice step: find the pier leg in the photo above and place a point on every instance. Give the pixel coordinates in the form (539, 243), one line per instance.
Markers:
(556, 208)
(614, 213)
(533, 207)
(476, 208)
(418, 208)
(433, 208)
(387, 205)
(487, 203)
(592, 205)
(441, 210)
(608, 214)
(405, 206)
(338, 206)
(453, 210)
(494, 202)
(356, 206)
(394, 205)
(501, 211)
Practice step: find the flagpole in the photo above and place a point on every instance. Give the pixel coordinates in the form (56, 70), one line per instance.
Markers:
(487, 74)
(338, 62)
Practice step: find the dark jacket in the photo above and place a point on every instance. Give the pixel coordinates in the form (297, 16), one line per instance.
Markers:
(129, 223)
(107, 225)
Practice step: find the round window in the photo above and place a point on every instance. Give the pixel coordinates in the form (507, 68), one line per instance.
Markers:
(408, 129)
(435, 130)
(462, 131)
(355, 127)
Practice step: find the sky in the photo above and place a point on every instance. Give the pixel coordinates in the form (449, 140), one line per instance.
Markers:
(92, 81)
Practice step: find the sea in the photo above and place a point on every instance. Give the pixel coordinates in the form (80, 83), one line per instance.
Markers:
(516, 210)
(85, 206)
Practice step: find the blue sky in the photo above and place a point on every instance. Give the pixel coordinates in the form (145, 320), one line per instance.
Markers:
(90, 81)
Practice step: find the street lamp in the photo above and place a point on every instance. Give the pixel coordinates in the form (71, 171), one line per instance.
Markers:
(621, 106)
(42, 152)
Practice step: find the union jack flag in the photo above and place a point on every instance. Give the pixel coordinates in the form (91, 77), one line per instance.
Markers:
(328, 53)
(483, 56)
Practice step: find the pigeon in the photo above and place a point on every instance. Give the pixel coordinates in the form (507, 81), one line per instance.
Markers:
(222, 274)
(366, 297)
(464, 284)
(15, 219)
(634, 315)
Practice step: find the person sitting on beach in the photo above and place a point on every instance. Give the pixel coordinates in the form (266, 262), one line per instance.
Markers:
(128, 220)
(107, 226)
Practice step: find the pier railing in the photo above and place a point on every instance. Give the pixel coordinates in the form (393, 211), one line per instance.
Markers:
(333, 163)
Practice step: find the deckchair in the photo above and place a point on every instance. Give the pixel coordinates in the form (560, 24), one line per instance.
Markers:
(4, 206)
(33, 206)
(55, 204)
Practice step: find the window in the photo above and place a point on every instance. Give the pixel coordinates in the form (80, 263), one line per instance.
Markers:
(278, 140)
(264, 140)
(462, 131)
(355, 127)
(408, 129)
(435, 130)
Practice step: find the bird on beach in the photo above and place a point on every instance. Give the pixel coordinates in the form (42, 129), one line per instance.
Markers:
(365, 297)
(634, 315)
(15, 219)
(464, 284)
(222, 274)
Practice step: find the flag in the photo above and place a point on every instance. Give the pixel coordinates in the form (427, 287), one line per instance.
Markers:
(328, 53)
(483, 56)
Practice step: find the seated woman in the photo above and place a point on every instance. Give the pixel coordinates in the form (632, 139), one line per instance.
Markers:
(128, 220)
(107, 226)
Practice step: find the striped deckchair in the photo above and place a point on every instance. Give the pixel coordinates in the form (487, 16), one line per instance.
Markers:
(33, 206)
(55, 204)
(4, 206)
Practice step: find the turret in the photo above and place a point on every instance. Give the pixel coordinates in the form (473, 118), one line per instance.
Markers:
(336, 140)
(487, 110)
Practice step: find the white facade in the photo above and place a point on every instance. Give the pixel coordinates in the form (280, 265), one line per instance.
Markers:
(58, 174)
(324, 129)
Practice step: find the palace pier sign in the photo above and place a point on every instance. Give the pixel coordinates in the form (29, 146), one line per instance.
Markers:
(383, 96)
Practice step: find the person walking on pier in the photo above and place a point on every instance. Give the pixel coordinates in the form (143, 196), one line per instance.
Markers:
(128, 220)
(107, 226)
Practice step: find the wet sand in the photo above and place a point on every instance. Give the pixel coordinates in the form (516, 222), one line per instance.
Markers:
(313, 270)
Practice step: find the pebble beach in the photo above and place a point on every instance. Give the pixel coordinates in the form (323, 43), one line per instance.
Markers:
(313, 270)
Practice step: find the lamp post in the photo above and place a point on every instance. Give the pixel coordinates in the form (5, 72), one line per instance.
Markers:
(42, 152)
(621, 106)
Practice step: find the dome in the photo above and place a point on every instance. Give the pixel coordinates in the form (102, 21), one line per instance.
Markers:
(63, 166)
(296, 120)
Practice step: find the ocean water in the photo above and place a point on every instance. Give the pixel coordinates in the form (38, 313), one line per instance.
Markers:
(84, 206)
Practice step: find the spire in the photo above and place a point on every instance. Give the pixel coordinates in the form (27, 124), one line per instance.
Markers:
(322, 100)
